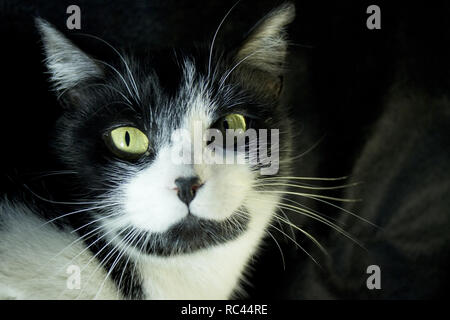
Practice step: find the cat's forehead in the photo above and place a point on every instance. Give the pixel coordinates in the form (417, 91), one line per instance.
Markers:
(174, 90)
(188, 95)
(157, 99)
(191, 105)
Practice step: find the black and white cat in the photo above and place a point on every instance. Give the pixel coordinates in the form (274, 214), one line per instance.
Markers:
(132, 223)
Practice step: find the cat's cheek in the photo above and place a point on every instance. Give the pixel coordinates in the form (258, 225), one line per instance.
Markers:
(152, 210)
(216, 207)
(223, 193)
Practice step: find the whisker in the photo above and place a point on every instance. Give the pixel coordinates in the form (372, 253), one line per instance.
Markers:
(54, 173)
(112, 88)
(309, 195)
(133, 82)
(86, 283)
(305, 178)
(127, 245)
(310, 187)
(307, 234)
(91, 233)
(56, 202)
(77, 211)
(85, 236)
(347, 211)
(308, 209)
(321, 198)
(118, 73)
(103, 261)
(215, 35)
(128, 260)
(309, 149)
(299, 246)
(139, 253)
(324, 221)
(225, 77)
(279, 248)
(94, 221)
(316, 217)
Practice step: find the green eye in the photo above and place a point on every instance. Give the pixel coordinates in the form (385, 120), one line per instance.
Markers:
(235, 121)
(127, 142)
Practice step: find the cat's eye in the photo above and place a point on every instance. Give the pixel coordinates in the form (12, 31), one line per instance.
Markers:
(234, 121)
(127, 142)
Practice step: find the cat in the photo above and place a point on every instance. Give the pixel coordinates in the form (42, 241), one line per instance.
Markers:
(122, 220)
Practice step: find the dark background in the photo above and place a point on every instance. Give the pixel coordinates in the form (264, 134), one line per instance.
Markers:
(340, 78)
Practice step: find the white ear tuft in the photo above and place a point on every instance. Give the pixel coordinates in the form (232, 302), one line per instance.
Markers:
(67, 64)
(266, 47)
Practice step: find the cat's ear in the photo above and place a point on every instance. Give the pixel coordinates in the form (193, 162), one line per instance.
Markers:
(68, 65)
(265, 48)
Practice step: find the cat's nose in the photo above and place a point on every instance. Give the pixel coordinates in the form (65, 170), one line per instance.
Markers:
(187, 188)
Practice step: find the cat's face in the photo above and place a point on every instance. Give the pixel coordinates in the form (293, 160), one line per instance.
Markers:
(119, 133)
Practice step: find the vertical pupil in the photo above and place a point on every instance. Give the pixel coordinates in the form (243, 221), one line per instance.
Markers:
(127, 138)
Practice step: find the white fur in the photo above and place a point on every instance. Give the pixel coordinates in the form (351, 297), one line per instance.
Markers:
(151, 201)
(34, 264)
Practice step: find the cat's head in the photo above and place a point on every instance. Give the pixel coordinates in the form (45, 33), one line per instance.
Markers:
(120, 133)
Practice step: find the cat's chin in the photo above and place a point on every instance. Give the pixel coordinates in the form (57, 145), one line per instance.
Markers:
(191, 234)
